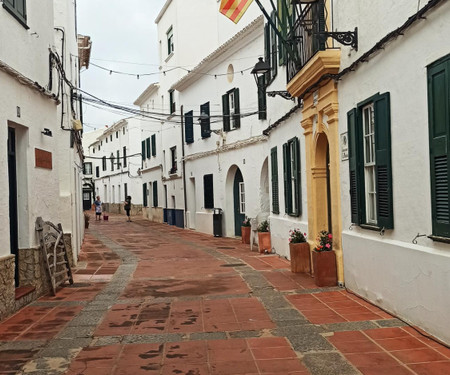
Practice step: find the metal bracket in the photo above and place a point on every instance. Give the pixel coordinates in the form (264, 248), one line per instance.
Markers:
(284, 94)
(382, 231)
(347, 38)
(414, 241)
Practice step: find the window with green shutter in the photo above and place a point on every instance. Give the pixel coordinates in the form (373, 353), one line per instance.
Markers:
(153, 144)
(270, 49)
(231, 110)
(369, 134)
(439, 133)
(143, 150)
(147, 146)
(189, 127)
(274, 170)
(144, 194)
(208, 190)
(124, 156)
(262, 102)
(292, 177)
(205, 121)
(18, 9)
(155, 193)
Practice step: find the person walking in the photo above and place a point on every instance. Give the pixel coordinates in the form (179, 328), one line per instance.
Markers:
(127, 207)
(98, 208)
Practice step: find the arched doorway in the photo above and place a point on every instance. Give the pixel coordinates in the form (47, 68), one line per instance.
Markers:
(238, 201)
(322, 186)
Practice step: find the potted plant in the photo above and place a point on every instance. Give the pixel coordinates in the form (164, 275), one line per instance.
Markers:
(86, 220)
(245, 230)
(324, 260)
(299, 251)
(264, 244)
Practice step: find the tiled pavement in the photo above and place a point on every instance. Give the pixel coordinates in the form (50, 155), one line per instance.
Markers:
(153, 299)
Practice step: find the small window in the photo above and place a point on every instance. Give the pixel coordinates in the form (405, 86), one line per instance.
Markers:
(118, 159)
(208, 190)
(147, 146)
(292, 177)
(172, 101)
(123, 130)
(99, 147)
(93, 150)
(205, 124)
(231, 110)
(153, 144)
(110, 137)
(97, 172)
(104, 163)
(124, 156)
(87, 168)
(111, 158)
(170, 47)
(173, 157)
(155, 193)
(117, 134)
(242, 198)
(189, 127)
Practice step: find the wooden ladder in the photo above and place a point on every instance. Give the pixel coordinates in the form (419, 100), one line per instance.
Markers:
(51, 239)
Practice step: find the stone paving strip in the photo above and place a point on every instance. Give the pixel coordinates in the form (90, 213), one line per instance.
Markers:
(201, 305)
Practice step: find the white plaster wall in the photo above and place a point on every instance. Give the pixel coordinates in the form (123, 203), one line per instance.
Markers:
(411, 280)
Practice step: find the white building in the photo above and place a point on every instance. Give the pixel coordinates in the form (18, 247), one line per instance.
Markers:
(112, 165)
(395, 108)
(41, 150)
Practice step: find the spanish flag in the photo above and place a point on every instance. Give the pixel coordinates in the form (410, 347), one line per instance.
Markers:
(234, 9)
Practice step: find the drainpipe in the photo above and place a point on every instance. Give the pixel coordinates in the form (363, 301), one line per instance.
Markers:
(183, 163)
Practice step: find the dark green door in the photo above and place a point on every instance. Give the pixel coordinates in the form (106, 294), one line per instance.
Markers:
(12, 178)
(239, 202)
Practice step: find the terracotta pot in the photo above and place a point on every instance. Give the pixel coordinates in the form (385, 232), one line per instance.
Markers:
(264, 242)
(245, 233)
(324, 263)
(300, 257)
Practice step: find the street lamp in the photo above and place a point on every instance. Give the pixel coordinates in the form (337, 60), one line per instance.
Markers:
(261, 68)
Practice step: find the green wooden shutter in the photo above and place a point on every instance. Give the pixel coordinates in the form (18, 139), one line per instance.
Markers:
(124, 156)
(267, 47)
(439, 125)
(155, 193)
(189, 127)
(353, 152)
(153, 144)
(273, 58)
(383, 172)
(262, 103)
(147, 143)
(144, 194)
(297, 211)
(208, 190)
(226, 112)
(282, 28)
(205, 124)
(274, 169)
(143, 149)
(287, 182)
(237, 110)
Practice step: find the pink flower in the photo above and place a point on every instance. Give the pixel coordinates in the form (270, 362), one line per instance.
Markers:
(328, 245)
(330, 235)
(290, 239)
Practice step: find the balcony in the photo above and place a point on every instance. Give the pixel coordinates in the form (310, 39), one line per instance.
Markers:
(305, 39)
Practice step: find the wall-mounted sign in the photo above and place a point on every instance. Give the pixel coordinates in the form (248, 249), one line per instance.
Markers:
(344, 146)
(43, 159)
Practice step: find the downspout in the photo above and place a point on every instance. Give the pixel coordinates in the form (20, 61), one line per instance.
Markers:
(183, 163)
(63, 40)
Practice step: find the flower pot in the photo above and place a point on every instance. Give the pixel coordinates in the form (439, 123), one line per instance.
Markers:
(264, 242)
(245, 233)
(324, 263)
(300, 257)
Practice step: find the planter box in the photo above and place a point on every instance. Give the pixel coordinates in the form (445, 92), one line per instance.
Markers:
(245, 233)
(300, 257)
(264, 242)
(324, 263)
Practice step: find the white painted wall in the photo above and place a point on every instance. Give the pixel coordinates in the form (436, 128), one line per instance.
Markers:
(409, 280)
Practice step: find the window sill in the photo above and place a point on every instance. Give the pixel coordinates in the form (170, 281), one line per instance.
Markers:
(168, 57)
(371, 227)
(439, 239)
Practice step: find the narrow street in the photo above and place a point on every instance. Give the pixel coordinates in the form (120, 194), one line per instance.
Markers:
(155, 299)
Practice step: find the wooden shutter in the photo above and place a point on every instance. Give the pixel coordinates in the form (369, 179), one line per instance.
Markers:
(144, 194)
(267, 47)
(297, 211)
(439, 125)
(282, 28)
(274, 170)
(262, 103)
(143, 149)
(124, 156)
(153, 144)
(189, 127)
(147, 143)
(226, 112)
(205, 124)
(237, 110)
(353, 152)
(208, 190)
(273, 58)
(287, 182)
(383, 171)
(155, 193)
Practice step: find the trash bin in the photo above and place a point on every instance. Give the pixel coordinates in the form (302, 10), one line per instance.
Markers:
(217, 222)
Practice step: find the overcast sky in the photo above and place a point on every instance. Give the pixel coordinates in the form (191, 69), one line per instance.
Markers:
(124, 38)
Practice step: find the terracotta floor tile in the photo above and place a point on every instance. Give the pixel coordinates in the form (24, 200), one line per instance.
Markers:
(347, 336)
(236, 354)
(386, 333)
(401, 343)
(386, 370)
(268, 342)
(186, 352)
(273, 353)
(371, 359)
(137, 370)
(197, 369)
(432, 368)
(227, 344)
(285, 366)
(357, 317)
(233, 368)
(418, 355)
(357, 347)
